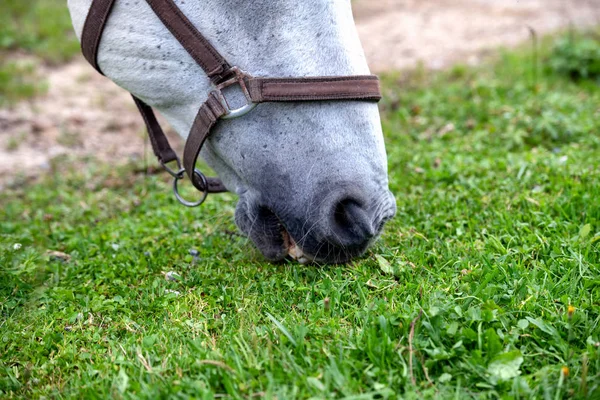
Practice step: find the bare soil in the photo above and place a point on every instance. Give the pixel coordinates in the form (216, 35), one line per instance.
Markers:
(401, 33)
(84, 114)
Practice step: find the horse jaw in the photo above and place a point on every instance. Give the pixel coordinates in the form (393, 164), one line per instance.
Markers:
(280, 156)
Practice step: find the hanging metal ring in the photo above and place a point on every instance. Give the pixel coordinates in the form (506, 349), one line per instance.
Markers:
(180, 175)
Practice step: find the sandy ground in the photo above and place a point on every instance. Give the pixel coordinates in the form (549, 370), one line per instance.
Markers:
(84, 114)
(401, 33)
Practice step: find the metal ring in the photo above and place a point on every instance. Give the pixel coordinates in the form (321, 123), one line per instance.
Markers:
(183, 201)
(239, 79)
(239, 112)
(170, 171)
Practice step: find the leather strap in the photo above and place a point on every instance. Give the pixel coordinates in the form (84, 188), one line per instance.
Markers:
(260, 90)
(208, 115)
(91, 36)
(314, 89)
(160, 144)
(213, 63)
(93, 29)
(275, 90)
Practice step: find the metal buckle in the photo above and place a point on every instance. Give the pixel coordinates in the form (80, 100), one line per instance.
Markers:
(239, 79)
(179, 176)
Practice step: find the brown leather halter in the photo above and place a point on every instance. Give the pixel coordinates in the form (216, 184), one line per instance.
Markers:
(222, 75)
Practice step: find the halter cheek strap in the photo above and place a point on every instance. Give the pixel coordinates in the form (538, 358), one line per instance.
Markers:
(222, 75)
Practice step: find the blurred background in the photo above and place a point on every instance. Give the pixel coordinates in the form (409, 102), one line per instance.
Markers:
(53, 105)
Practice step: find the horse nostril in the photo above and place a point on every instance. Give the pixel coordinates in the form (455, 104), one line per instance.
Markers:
(352, 223)
(340, 214)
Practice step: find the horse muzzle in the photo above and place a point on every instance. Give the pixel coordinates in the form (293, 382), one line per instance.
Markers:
(333, 226)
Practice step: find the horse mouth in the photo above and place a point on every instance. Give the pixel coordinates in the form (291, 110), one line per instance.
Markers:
(330, 235)
(294, 251)
(269, 233)
(274, 240)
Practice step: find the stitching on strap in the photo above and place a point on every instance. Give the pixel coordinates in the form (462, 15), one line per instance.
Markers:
(221, 63)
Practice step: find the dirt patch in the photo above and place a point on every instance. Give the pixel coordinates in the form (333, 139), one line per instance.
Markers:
(84, 114)
(400, 33)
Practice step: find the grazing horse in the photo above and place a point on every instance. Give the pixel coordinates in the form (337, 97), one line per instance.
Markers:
(311, 176)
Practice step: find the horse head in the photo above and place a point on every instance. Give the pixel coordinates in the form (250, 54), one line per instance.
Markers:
(311, 177)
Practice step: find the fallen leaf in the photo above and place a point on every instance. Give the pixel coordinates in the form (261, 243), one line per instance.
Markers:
(585, 231)
(505, 366)
(384, 265)
(58, 256)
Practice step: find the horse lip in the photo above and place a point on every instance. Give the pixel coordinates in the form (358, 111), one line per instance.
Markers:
(294, 251)
(268, 232)
(271, 235)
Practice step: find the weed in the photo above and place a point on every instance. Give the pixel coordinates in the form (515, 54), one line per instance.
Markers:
(39, 27)
(69, 138)
(38, 30)
(576, 56)
(14, 142)
(18, 80)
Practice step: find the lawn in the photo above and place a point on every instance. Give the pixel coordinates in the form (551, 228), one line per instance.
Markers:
(485, 285)
(32, 33)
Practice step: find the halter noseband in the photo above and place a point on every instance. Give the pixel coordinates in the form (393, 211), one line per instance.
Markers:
(222, 75)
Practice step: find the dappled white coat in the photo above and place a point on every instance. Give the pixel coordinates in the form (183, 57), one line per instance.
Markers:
(285, 157)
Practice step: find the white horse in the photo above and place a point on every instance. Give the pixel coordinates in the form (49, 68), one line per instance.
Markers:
(311, 177)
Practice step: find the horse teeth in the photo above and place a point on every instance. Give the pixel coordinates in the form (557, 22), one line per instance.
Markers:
(303, 260)
(295, 252)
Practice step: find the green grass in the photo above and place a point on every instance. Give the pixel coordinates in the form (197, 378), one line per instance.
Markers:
(39, 31)
(466, 295)
(578, 57)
